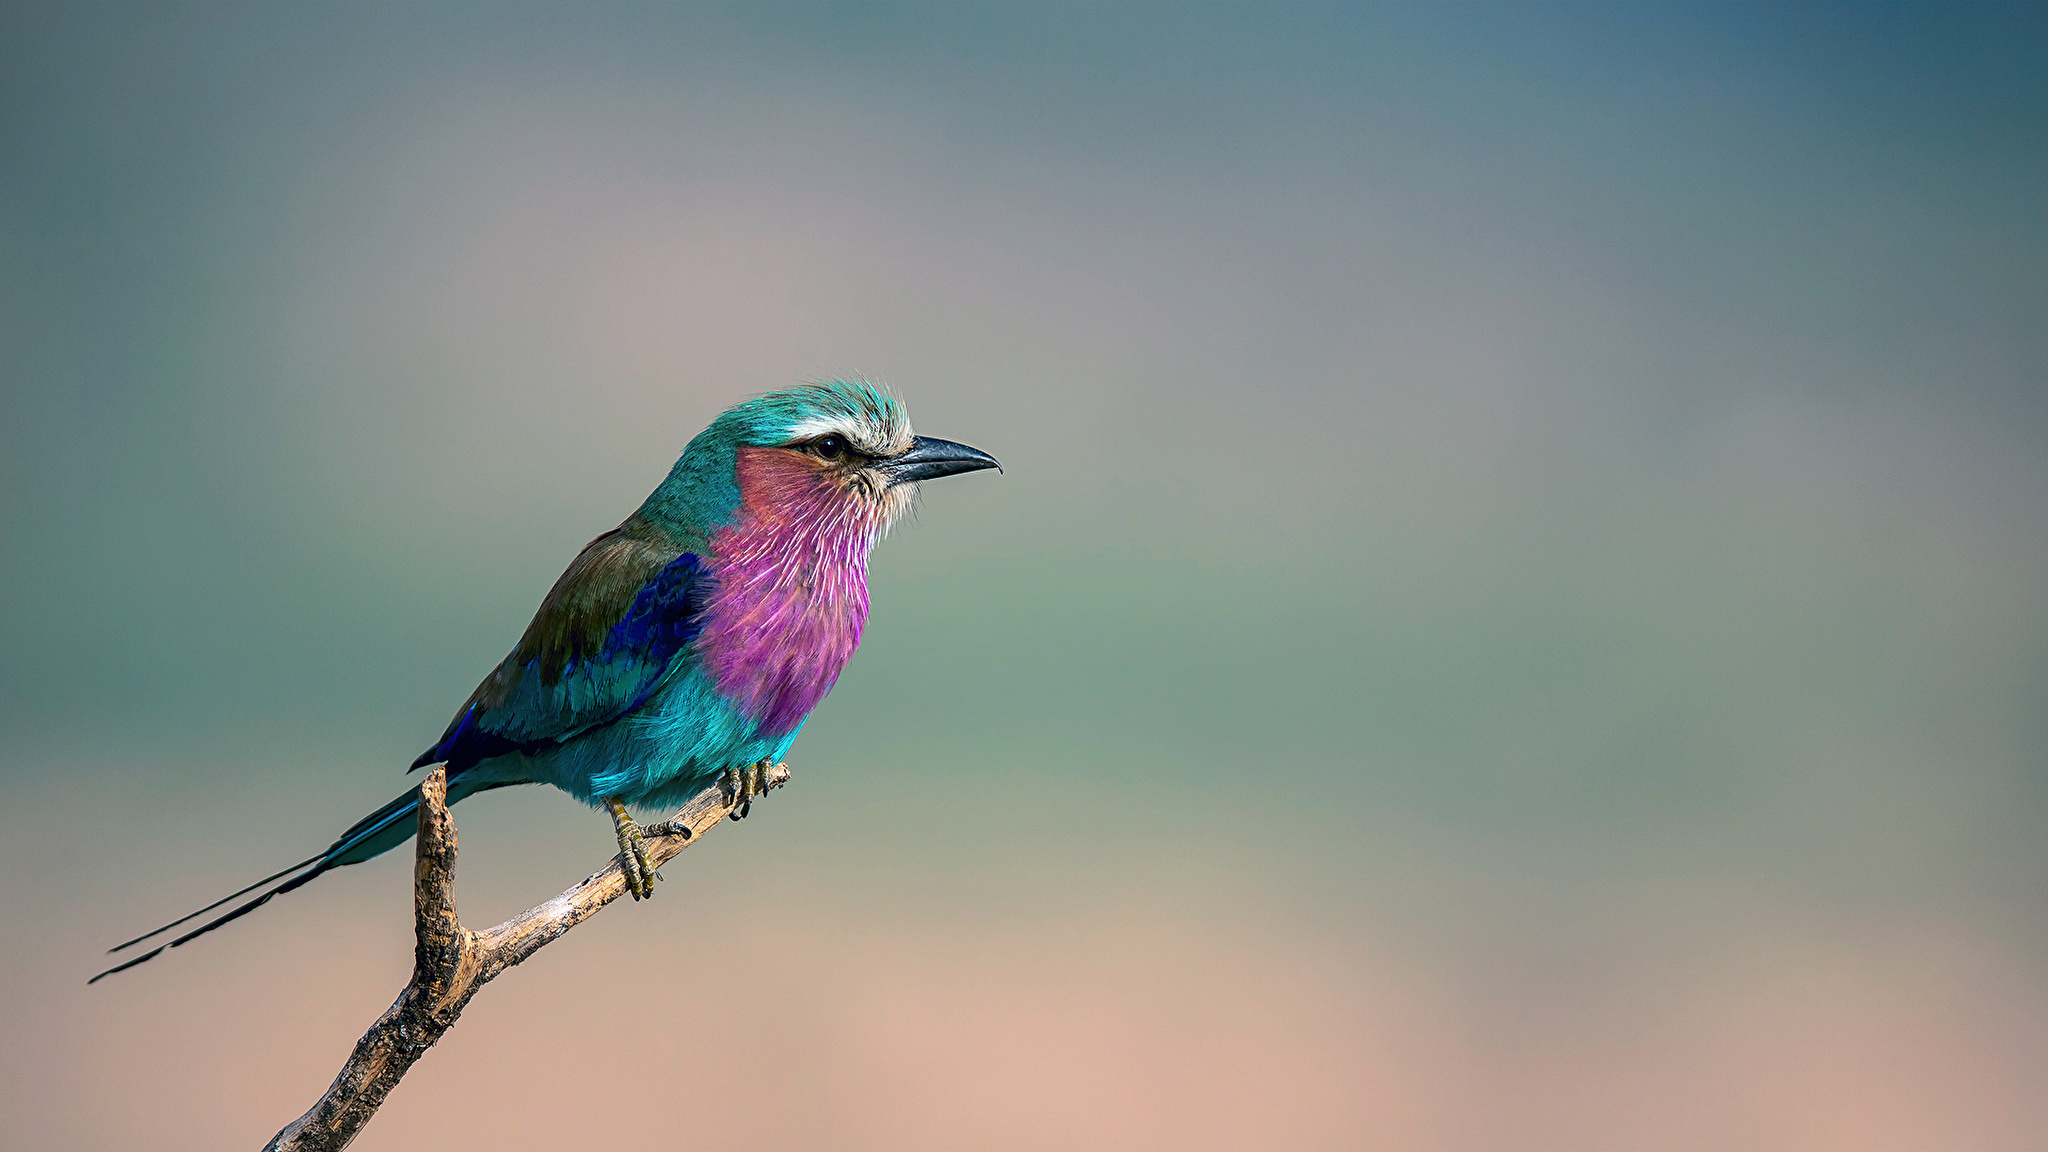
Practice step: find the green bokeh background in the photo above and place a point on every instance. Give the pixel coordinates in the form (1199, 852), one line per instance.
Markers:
(1517, 614)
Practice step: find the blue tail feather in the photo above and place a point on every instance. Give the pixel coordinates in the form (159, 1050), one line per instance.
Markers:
(373, 835)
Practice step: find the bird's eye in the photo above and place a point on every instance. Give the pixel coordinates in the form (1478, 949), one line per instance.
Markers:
(831, 447)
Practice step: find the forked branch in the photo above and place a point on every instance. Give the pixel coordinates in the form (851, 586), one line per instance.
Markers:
(451, 962)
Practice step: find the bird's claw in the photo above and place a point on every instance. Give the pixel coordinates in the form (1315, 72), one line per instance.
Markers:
(640, 875)
(744, 784)
(668, 828)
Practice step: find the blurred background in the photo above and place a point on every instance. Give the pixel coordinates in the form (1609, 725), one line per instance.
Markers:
(1517, 616)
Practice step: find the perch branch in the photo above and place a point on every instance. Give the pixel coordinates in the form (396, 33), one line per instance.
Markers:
(451, 962)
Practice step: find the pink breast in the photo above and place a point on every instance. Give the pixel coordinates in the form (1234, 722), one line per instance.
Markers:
(792, 590)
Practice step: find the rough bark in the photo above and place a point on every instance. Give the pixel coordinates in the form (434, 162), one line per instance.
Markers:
(450, 962)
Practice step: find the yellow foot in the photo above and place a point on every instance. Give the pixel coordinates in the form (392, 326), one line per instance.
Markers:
(747, 783)
(640, 876)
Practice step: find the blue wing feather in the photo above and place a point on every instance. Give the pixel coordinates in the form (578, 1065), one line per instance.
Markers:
(591, 655)
(603, 640)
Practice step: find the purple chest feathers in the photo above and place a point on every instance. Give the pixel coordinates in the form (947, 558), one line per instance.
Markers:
(792, 591)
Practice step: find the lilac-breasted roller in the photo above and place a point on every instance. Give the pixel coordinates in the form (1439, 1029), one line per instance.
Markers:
(690, 642)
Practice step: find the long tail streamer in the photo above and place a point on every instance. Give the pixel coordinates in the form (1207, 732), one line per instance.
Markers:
(335, 856)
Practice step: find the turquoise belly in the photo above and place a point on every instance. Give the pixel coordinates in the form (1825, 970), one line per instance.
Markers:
(672, 746)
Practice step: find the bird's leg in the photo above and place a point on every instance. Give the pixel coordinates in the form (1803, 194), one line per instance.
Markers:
(632, 852)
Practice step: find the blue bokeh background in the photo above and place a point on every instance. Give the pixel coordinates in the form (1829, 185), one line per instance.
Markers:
(1517, 614)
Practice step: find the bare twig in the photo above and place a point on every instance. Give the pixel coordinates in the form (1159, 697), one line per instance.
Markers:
(451, 962)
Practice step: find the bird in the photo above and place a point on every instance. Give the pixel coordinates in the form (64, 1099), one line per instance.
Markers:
(688, 645)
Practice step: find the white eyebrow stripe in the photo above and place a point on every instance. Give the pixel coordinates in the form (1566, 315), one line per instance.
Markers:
(865, 434)
(820, 425)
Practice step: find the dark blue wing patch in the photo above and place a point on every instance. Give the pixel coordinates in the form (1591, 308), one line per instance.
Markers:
(665, 616)
(532, 709)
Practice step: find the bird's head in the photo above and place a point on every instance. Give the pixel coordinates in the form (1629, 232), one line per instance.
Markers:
(842, 448)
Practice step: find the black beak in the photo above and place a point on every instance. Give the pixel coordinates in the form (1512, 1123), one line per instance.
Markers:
(930, 458)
